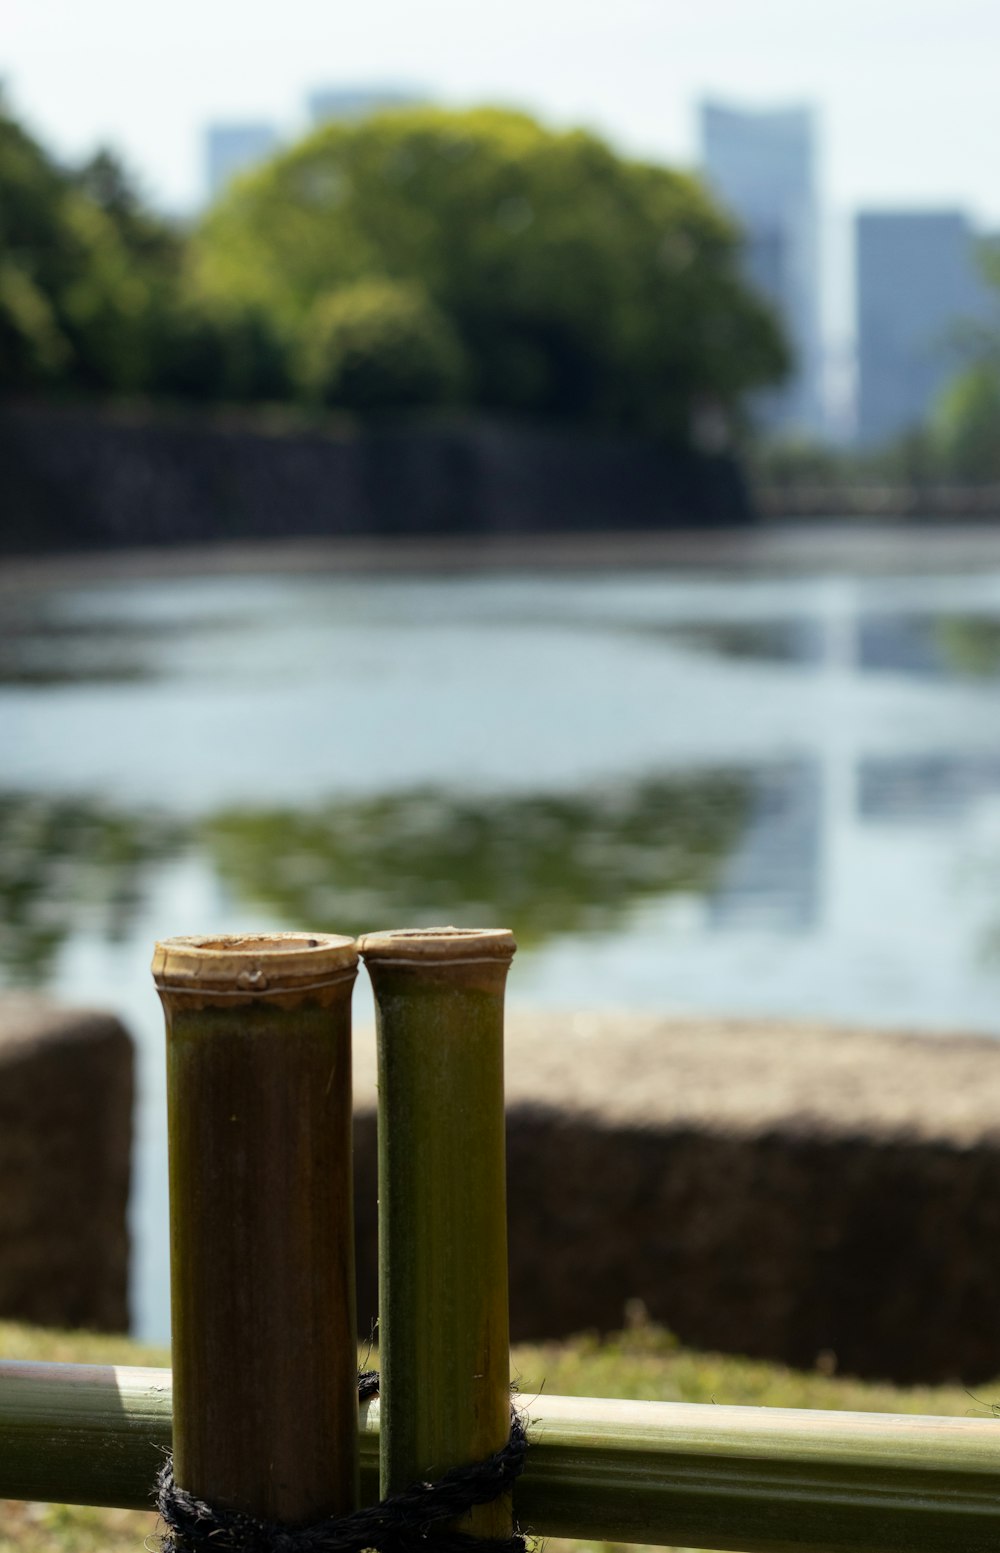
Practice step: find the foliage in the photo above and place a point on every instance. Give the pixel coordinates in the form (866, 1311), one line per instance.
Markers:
(380, 345)
(790, 464)
(94, 297)
(41, 256)
(963, 433)
(919, 459)
(83, 272)
(578, 284)
(413, 259)
(966, 424)
(218, 353)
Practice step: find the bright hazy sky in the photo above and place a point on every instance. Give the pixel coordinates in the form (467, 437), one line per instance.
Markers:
(907, 89)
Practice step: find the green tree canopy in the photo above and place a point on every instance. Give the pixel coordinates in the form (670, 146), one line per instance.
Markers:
(94, 297)
(965, 428)
(380, 345)
(575, 283)
(81, 271)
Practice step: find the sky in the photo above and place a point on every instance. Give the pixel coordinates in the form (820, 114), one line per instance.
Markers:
(906, 89)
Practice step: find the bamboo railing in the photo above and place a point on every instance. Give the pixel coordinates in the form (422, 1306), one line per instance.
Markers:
(763, 1480)
(262, 1284)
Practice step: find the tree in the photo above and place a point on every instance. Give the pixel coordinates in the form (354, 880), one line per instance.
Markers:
(82, 269)
(39, 257)
(964, 428)
(380, 345)
(966, 425)
(94, 297)
(577, 284)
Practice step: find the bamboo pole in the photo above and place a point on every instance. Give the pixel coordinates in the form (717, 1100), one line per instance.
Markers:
(768, 1480)
(261, 1221)
(443, 1323)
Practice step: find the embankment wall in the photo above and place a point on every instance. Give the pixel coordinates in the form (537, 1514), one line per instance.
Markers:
(84, 479)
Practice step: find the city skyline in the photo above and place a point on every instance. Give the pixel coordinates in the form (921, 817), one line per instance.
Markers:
(234, 146)
(761, 166)
(917, 289)
(917, 285)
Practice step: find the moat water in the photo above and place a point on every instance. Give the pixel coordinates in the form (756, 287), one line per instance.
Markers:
(758, 795)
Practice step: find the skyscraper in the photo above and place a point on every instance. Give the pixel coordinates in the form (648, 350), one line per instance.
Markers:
(761, 166)
(916, 283)
(235, 148)
(357, 102)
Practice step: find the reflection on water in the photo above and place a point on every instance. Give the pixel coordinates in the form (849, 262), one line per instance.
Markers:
(40, 646)
(941, 645)
(66, 864)
(780, 641)
(556, 754)
(914, 643)
(542, 864)
(932, 789)
(47, 642)
(773, 878)
(970, 644)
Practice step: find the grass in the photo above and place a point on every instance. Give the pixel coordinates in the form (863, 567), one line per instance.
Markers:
(643, 1362)
(648, 1364)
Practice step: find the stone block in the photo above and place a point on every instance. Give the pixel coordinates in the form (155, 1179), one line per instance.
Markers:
(792, 1192)
(65, 1143)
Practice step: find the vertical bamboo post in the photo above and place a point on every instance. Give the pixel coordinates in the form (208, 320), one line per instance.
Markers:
(261, 1221)
(443, 1322)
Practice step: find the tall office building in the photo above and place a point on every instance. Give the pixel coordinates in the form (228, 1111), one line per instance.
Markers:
(358, 102)
(916, 282)
(235, 148)
(761, 166)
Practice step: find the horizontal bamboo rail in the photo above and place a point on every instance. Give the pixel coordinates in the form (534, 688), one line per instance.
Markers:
(760, 1480)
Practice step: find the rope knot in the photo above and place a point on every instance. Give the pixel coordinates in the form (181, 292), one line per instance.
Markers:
(410, 1521)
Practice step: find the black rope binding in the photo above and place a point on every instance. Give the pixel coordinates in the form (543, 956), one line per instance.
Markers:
(411, 1521)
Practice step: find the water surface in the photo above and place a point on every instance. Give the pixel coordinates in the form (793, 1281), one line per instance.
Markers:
(749, 796)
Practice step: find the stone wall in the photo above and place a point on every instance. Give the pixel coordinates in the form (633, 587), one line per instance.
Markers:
(794, 1192)
(79, 478)
(65, 1143)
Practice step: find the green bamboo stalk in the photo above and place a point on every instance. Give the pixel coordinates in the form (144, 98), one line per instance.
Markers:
(769, 1480)
(261, 1221)
(443, 1321)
